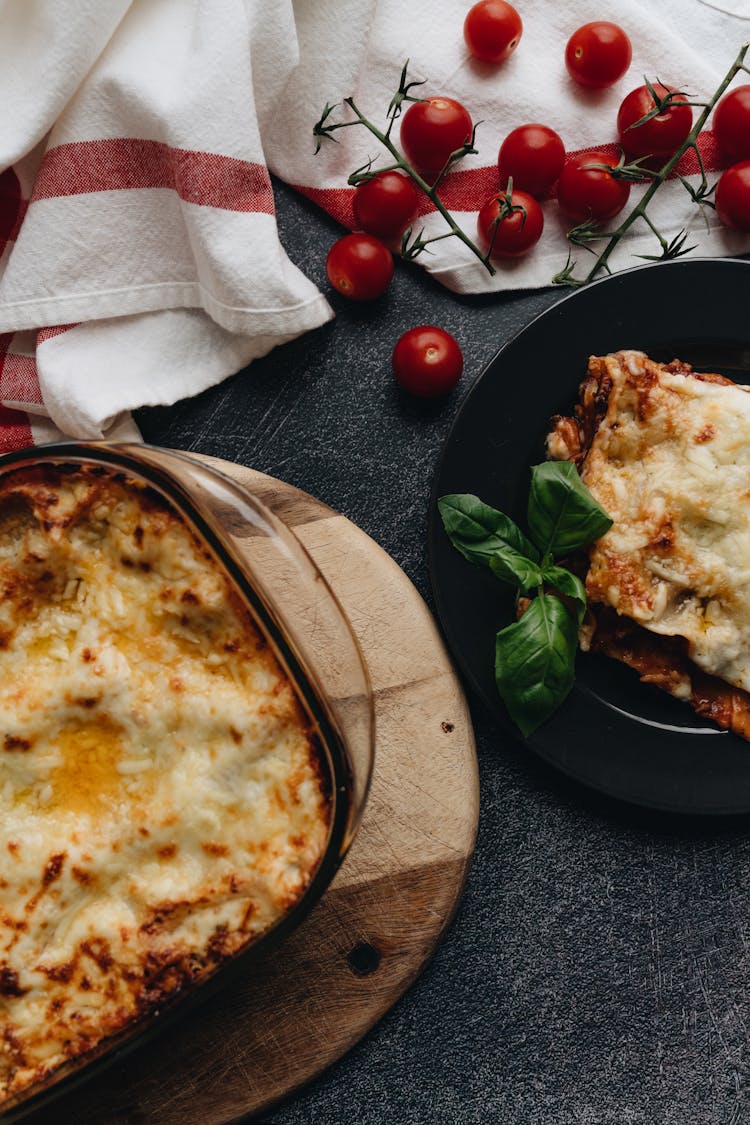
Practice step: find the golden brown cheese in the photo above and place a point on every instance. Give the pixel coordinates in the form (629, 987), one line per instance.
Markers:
(162, 801)
(666, 452)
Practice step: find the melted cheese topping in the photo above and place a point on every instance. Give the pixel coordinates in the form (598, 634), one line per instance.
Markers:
(161, 799)
(670, 463)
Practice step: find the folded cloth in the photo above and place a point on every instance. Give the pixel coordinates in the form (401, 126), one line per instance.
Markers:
(139, 255)
(141, 259)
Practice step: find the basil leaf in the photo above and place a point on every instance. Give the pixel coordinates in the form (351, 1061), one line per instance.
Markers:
(507, 565)
(569, 584)
(535, 662)
(563, 515)
(479, 531)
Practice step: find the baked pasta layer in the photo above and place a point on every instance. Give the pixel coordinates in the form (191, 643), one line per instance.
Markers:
(162, 800)
(666, 452)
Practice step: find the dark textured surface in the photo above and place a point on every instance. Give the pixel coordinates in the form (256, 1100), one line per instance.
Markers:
(596, 972)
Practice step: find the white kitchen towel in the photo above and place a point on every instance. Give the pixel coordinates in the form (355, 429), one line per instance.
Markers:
(141, 258)
(139, 255)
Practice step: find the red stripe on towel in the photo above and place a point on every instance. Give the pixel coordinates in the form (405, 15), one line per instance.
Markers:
(125, 163)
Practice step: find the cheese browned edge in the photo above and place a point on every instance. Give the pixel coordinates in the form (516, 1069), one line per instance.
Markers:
(163, 798)
(666, 451)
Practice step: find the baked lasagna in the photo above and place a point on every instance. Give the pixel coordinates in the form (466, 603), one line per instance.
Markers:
(665, 450)
(163, 800)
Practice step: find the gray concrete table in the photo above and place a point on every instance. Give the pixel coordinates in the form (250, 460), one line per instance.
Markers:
(596, 973)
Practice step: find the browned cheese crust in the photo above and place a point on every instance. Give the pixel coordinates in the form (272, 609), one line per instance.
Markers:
(162, 798)
(655, 444)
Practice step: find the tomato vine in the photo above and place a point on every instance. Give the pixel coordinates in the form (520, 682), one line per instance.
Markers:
(411, 244)
(588, 235)
(672, 248)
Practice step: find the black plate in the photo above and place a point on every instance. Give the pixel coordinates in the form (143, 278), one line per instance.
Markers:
(613, 733)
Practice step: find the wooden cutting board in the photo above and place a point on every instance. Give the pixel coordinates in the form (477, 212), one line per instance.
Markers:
(306, 1003)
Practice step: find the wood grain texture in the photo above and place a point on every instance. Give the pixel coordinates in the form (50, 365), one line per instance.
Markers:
(306, 1003)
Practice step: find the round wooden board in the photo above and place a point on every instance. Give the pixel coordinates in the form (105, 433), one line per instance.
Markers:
(306, 1003)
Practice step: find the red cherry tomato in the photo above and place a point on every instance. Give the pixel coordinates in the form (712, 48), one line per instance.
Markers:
(492, 30)
(598, 54)
(733, 196)
(587, 193)
(663, 134)
(386, 205)
(427, 361)
(431, 130)
(359, 266)
(732, 124)
(511, 230)
(533, 156)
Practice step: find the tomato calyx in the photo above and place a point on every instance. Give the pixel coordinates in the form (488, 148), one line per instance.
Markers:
(468, 148)
(412, 245)
(631, 171)
(589, 231)
(587, 190)
(510, 223)
(662, 103)
(507, 208)
(436, 133)
(654, 122)
(402, 95)
(366, 172)
(669, 250)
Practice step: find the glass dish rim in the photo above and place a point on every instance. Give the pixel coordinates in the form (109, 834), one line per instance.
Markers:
(125, 455)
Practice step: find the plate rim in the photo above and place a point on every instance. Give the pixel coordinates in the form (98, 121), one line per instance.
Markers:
(434, 529)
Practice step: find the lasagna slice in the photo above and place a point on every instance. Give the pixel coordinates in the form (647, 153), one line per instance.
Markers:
(163, 797)
(666, 451)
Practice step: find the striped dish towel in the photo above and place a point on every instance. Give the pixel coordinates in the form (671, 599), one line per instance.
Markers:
(139, 255)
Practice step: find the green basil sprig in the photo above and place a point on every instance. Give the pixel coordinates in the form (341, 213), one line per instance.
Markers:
(534, 656)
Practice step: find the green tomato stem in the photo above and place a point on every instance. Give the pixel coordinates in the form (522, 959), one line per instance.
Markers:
(427, 189)
(639, 211)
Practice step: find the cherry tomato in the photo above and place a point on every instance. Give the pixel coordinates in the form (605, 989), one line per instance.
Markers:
(733, 196)
(533, 156)
(431, 130)
(590, 193)
(427, 361)
(663, 134)
(386, 205)
(359, 267)
(511, 229)
(732, 124)
(598, 54)
(492, 30)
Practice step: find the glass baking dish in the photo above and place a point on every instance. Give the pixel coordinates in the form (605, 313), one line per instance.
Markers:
(302, 620)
